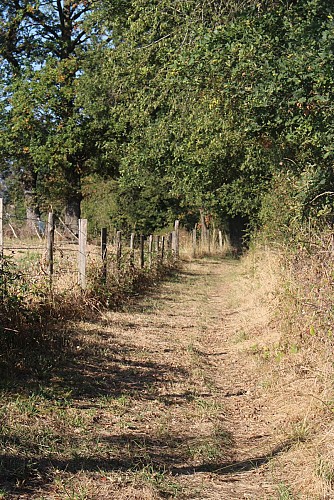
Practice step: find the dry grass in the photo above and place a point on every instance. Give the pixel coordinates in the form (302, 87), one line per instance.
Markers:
(307, 345)
(30, 257)
(203, 248)
(147, 404)
(124, 412)
(214, 385)
(140, 406)
(287, 327)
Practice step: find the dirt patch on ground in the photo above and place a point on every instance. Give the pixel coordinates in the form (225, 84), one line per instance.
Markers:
(162, 400)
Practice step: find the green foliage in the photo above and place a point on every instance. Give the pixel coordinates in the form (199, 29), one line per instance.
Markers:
(217, 99)
(99, 203)
(282, 208)
(191, 106)
(11, 291)
(142, 207)
(48, 142)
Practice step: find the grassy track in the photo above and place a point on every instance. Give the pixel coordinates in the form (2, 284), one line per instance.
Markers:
(157, 401)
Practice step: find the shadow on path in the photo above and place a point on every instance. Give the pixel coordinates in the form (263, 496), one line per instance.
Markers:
(141, 452)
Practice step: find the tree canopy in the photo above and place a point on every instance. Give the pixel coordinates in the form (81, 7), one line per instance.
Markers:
(178, 106)
(46, 140)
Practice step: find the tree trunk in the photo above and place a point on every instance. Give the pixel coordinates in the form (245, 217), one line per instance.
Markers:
(32, 212)
(73, 212)
(31, 202)
(72, 195)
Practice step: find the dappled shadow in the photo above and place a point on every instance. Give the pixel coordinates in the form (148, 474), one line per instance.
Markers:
(171, 399)
(33, 352)
(208, 261)
(88, 363)
(46, 348)
(94, 364)
(130, 453)
(126, 451)
(234, 467)
(106, 367)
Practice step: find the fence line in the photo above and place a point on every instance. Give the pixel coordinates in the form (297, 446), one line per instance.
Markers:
(53, 255)
(52, 258)
(82, 255)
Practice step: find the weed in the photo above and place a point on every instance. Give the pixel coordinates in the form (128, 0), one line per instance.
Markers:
(255, 349)
(240, 336)
(223, 436)
(294, 348)
(27, 406)
(160, 480)
(206, 450)
(300, 432)
(208, 408)
(284, 492)
(72, 492)
(28, 260)
(194, 353)
(163, 428)
(266, 384)
(210, 448)
(330, 405)
(279, 355)
(325, 470)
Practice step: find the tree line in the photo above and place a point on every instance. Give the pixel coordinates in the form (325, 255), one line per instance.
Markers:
(138, 112)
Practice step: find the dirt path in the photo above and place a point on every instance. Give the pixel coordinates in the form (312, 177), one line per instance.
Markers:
(214, 401)
(163, 402)
(194, 407)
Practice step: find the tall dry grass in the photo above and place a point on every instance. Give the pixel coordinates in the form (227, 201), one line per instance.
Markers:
(204, 248)
(292, 289)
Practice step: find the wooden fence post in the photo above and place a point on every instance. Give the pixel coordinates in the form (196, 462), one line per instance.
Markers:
(82, 258)
(132, 249)
(50, 236)
(194, 241)
(150, 250)
(104, 253)
(118, 249)
(162, 249)
(157, 244)
(1, 228)
(170, 245)
(142, 260)
(173, 233)
(177, 239)
(220, 237)
(204, 228)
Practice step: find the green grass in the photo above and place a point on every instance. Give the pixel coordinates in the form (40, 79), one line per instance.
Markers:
(159, 480)
(325, 470)
(284, 492)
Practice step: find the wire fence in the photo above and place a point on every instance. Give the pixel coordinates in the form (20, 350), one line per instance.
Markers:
(52, 252)
(25, 241)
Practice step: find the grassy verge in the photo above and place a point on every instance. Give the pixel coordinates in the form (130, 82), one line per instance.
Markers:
(294, 358)
(132, 407)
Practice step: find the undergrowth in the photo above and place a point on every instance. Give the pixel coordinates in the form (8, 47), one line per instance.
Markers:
(299, 364)
(33, 317)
